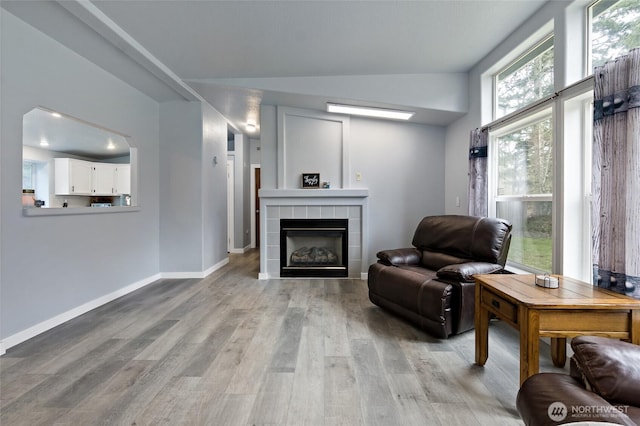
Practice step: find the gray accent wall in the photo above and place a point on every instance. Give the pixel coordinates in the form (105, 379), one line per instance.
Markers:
(213, 188)
(55, 267)
(246, 194)
(241, 200)
(52, 264)
(402, 165)
(193, 206)
(180, 180)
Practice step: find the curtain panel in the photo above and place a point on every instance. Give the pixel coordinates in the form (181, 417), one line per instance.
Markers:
(616, 175)
(478, 187)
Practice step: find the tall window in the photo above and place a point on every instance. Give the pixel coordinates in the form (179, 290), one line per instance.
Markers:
(522, 188)
(526, 80)
(614, 29)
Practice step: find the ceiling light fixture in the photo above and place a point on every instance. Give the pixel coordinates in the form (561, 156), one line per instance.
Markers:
(56, 114)
(393, 114)
(111, 145)
(43, 142)
(251, 127)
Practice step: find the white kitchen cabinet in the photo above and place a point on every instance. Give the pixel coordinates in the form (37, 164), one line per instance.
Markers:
(123, 178)
(72, 177)
(79, 177)
(103, 179)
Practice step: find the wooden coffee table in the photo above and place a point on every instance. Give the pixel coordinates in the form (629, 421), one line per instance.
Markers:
(575, 308)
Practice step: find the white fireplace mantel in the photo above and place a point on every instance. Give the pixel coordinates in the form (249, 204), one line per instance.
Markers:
(329, 203)
(314, 193)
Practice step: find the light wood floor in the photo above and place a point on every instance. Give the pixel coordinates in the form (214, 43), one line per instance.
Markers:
(232, 350)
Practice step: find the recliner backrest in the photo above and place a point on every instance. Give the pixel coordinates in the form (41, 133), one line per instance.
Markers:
(450, 239)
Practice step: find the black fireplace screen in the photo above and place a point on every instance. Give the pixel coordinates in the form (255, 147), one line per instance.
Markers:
(313, 247)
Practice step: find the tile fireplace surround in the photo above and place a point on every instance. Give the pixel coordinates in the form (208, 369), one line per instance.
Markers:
(276, 204)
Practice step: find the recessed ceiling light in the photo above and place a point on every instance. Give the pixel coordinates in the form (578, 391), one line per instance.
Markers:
(393, 114)
(44, 142)
(56, 114)
(251, 127)
(111, 145)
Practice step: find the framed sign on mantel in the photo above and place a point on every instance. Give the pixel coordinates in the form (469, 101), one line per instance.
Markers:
(310, 180)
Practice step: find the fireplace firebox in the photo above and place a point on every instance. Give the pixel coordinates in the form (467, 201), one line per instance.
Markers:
(314, 247)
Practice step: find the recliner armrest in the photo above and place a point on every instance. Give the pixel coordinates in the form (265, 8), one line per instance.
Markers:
(465, 271)
(609, 366)
(401, 256)
(542, 390)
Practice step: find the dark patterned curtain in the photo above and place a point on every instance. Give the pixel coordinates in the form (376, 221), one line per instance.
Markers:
(478, 173)
(616, 175)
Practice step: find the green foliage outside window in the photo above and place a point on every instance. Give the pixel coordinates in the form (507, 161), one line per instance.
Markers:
(525, 160)
(615, 29)
(526, 80)
(524, 191)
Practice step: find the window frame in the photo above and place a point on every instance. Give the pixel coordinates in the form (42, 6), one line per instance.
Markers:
(530, 53)
(572, 132)
(576, 136)
(544, 111)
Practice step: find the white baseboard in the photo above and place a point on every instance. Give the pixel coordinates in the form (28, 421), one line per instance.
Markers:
(364, 276)
(46, 325)
(263, 275)
(215, 267)
(197, 274)
(240, 250)
(33, 331)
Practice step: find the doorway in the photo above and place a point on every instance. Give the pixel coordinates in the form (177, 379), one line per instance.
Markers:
(230, 201)
(255, 205)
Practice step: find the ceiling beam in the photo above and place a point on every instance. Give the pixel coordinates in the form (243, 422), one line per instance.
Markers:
(88, 13)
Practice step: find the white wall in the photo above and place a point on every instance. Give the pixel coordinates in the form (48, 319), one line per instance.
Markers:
(53, 264)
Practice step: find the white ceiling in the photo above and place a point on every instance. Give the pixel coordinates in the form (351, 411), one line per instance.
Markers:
(207, 41)
(71, 136)
(235, 39)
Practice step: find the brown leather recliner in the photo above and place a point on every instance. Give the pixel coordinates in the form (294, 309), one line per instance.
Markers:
(603, 386)
(431, 284)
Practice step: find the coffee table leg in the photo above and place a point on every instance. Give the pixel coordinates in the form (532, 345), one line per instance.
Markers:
(529, 342)
(482, 330)
(559, 351)
(482, 336)
(635, 326)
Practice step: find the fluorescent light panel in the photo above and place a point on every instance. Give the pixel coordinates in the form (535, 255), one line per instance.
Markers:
(370, 112)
